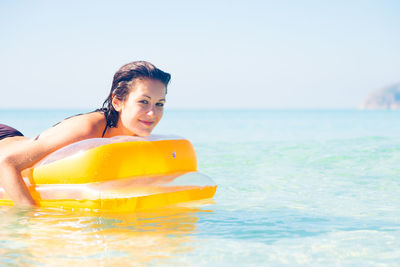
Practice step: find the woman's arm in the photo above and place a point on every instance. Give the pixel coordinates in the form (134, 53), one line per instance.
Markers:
(19, 155)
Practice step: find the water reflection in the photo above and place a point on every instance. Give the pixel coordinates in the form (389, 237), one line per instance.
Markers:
(53, 237)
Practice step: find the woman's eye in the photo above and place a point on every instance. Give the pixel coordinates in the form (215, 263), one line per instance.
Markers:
(144, 101)
(160, 104)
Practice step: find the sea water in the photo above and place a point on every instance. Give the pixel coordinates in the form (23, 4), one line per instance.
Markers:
(313, 187)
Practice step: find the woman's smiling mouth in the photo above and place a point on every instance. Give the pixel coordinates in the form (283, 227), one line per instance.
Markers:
(147, 123)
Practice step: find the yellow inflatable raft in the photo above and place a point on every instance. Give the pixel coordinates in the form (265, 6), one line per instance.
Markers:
(118, 174)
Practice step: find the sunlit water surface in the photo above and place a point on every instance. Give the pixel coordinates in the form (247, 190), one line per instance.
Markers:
(294, 187)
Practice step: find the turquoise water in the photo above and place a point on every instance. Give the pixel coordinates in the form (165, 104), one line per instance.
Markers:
(294, 187)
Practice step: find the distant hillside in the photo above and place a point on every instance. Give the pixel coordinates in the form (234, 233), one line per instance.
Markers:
(386, 98)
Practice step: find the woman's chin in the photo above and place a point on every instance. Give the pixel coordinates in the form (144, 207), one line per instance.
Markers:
(142, 133)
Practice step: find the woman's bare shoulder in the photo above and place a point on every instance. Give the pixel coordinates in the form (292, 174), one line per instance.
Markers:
(90, 125)
(93, 122)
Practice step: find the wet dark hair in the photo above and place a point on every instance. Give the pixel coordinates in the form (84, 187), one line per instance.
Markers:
(122, 81)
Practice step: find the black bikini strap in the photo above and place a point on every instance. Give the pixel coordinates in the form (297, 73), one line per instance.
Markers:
(104, 131)
(104, 111)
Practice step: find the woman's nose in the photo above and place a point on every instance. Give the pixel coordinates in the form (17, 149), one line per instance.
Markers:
(151, 111)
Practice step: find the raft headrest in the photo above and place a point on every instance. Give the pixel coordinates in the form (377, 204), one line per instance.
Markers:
(104, 159)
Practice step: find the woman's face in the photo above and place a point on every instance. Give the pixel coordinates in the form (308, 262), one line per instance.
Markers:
(142, 108)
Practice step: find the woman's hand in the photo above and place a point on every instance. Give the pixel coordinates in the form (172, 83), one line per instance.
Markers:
(10, 175)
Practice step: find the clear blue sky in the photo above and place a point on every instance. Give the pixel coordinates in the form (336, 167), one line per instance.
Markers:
(221, 54)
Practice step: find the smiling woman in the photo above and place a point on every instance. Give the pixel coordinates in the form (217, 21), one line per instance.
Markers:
(133, 108)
